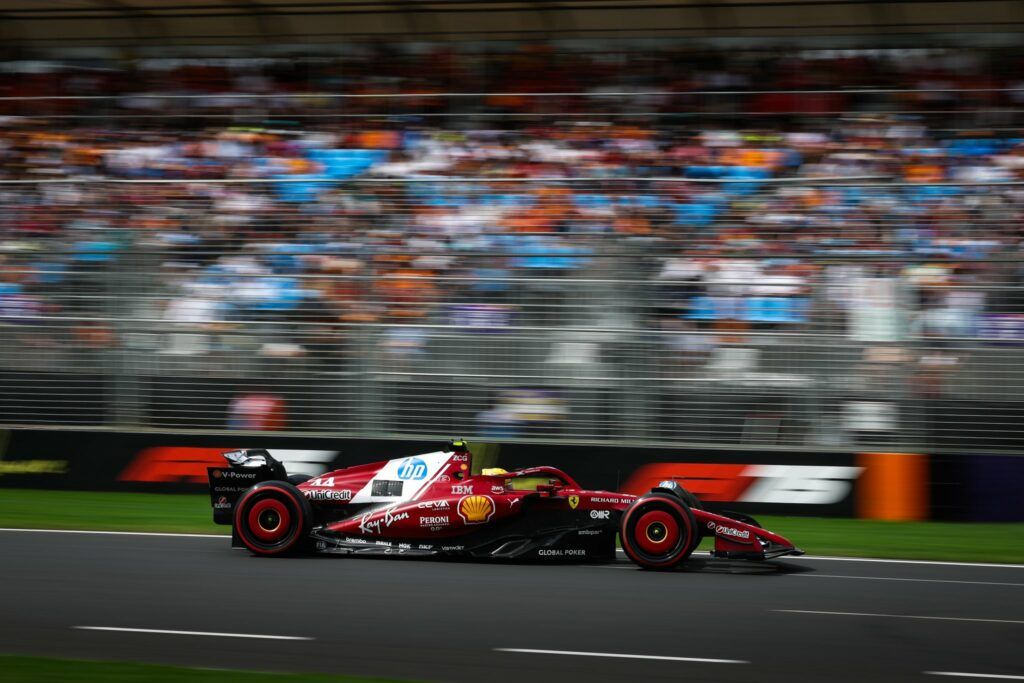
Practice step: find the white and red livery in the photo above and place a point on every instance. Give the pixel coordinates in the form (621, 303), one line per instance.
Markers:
(438, 504)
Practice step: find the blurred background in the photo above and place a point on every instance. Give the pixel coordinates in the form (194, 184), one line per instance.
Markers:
(781, 224)
(790, 225)
(771, 249)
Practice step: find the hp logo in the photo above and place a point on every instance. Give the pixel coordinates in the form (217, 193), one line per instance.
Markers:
(412, 468)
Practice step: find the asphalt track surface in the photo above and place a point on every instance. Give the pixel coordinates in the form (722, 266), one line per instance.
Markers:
(433, 620)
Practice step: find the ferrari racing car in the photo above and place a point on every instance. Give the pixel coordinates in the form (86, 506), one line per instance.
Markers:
(437, 504)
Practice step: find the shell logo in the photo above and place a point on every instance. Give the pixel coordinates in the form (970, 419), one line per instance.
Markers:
(475, 509)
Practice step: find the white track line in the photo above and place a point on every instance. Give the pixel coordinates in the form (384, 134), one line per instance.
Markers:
(962, 674)
(189, 633)
(855, 578)
(116, 533)
(888, 561)
(830, 558)
(896, 616)
(893, 578)
(621, 656)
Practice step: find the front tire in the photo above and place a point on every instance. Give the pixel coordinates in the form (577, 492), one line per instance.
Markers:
(273, 518)
(659, 531)
(692, 500)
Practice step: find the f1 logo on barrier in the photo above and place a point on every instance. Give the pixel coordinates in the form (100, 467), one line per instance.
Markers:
(799, 484)
(781, 484)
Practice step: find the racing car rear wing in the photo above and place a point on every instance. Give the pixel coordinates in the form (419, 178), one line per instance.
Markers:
(246, 468)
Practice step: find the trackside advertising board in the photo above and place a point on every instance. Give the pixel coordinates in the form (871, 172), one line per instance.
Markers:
(884, 486)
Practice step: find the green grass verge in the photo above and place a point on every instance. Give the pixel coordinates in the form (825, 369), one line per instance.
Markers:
(816, 535)
(32, 509)
(952, 541)
(46, 670)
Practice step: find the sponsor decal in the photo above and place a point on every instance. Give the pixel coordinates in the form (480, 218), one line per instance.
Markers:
(476, 509)
(462, 489)
(784, 484)
(566, 552)
(404, 478)
(368, 526)
(188, 464)
(512, 503)
(498, 489)
(343, 495)
(234, 474)
(590, 532)
(600, 514)
(321, 481)
(412, 468)
(452, 548)
(435, 521)
(711, 525)
(222, 503)
(723, 530)
(434, 505)
(372, 526)
(390, 519)
(460, 457)
(444, 478)
(574, 501)
(610, 501)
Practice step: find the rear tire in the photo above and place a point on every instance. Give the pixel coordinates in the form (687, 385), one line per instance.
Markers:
(658, 531)
(273, 518)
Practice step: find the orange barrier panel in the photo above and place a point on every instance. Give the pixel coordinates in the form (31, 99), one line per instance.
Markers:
(893, 486)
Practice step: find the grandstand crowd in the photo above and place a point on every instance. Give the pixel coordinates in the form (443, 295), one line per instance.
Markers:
(359, 189)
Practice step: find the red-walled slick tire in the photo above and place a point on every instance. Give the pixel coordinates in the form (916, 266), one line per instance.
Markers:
(659, 531)
(272, 518)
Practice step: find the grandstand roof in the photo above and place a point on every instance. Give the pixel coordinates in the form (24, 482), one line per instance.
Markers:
(218, 22)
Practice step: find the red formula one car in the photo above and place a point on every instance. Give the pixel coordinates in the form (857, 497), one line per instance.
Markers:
(435, 504)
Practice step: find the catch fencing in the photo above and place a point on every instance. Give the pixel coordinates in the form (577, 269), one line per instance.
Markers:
(850, 313)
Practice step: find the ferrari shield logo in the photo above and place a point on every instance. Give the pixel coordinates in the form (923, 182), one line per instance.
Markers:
(574, 501)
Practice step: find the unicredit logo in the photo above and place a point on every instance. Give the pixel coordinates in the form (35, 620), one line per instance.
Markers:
(729, 531)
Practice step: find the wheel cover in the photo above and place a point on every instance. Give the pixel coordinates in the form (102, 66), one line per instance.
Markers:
(656, 532)
(269, 520)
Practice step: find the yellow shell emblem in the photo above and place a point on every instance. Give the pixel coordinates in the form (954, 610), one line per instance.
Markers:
(574, 501)
(476, 509)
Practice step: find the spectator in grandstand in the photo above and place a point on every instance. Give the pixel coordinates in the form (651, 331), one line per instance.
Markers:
(366, 220)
